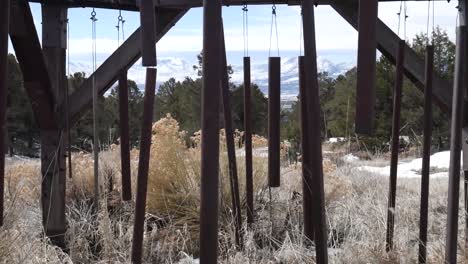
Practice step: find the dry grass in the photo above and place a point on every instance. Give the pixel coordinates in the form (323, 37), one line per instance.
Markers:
(355, 203)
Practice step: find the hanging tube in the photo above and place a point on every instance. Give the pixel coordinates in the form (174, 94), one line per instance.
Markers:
(426, 155)
(143, 165)
(124, 137)
(248, 141)
(4, 27)
(366, 66)
(395, 143)
(459, 85)
(274, 108)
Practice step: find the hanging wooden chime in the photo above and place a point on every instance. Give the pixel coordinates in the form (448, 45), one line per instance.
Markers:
(248, 140)
(274, 109)
(124, 137)
(366, 66)
(148, 33)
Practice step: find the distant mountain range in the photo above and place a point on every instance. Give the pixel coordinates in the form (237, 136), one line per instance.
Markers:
(173, 67)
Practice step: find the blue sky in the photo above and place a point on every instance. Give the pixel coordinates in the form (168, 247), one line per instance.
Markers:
(335, 38)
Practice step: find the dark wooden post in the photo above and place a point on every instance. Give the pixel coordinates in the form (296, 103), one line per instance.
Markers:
(455, 148)
(231, 146)
(4, 28)
(143, 165)
(274, 109)
(148, 33)
(399, 74)
(210, 131)
(248, 141)
(53, 167)
(306, 175)
(366, 66)
(426, 158)
(313, 154)
(124, 138)
(463, 15)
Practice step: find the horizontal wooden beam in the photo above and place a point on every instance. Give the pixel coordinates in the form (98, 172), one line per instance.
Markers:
(121, 60)
(131, 5)
(30, 57)
(388, 45)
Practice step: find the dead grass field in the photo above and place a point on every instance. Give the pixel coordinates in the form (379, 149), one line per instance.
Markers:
(355, 204)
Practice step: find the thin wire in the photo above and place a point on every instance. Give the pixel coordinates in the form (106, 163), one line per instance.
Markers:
(95, 110)
(406, 17)
(428, 21)
(300, 33)
(118, 30)
(273, 22)
(245, 29)
(399, 18)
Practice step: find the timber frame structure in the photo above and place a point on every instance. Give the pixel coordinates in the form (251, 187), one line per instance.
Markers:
(43, 67)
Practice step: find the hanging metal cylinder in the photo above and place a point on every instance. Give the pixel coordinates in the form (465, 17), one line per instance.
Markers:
(231, 147)
(307, 181)
(4, 28)
(209, 192)
(313, 155)
(395, 145)
(148, 33)
(459, 85)
(143, 165)
(248, 141)
(426, 157)
(274, 109)
(366, 66)
(124, 137)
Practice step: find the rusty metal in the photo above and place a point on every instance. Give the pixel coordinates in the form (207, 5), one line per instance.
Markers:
(366, 66)
(274, 109)
(305, 143)
(148, 33)
(395, 144)
(231, 146)
(143, 165)
(426, 157)
(4, 27)
(455, 147)
(124, 137)
(210, 131)
(313, 162)
(248, 141)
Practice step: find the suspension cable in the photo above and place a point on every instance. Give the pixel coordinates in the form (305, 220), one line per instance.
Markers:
(406, 18)
(273, 23)
(120, 26)
(245, 29)
(399, 18)
(95, 113)
(300, 31)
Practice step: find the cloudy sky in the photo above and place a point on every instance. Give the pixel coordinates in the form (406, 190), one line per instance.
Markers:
(334, 34)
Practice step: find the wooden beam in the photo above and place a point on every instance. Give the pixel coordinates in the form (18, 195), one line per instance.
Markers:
(122, 59)
(30, 57)
(387, 43)
(131, 5)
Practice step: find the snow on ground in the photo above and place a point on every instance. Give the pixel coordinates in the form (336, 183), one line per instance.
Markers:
(412, 169)
(256, 152)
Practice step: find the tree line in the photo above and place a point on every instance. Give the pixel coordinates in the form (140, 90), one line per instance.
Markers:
(182, 99)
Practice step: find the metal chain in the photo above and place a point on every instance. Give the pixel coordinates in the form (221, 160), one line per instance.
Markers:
(119, 26)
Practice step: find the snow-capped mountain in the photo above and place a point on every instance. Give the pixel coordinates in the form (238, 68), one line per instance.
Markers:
(178, 68)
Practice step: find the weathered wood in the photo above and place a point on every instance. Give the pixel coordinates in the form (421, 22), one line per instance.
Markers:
(148, 33)
(210, 131)
(30, 57)
(248, 141)
(313, 154)
(122, 59)
(426, 157)
(132, 4)
(230, 144)
(124, 138)
(4, 28)
(143, 166)
(395, 144)
(274, 110)
(387, 42)
(53, 167)
(366, 66)
(455, 147)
